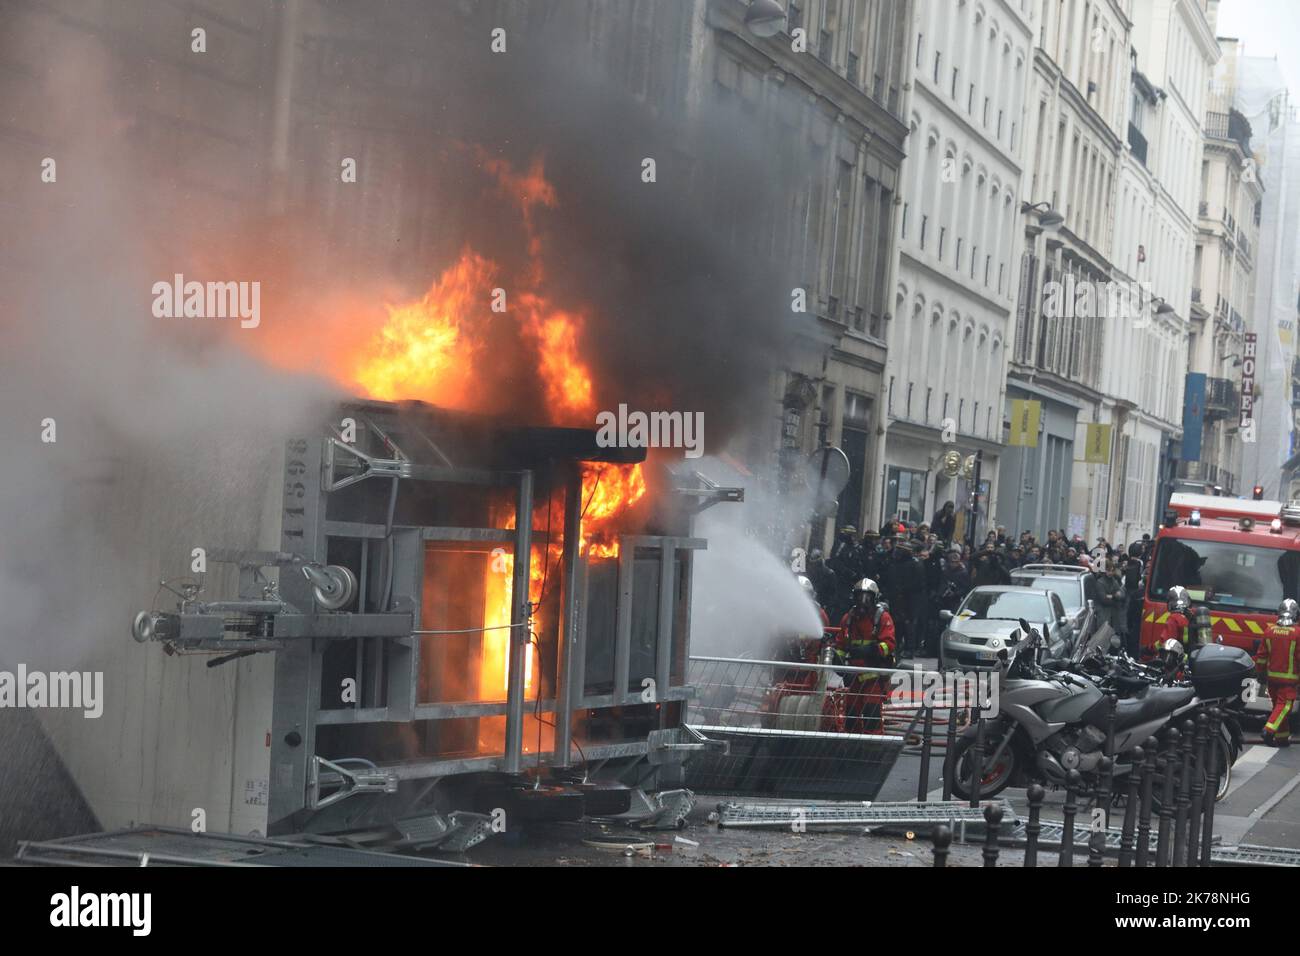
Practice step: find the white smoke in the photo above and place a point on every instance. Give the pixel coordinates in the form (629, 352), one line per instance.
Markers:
(746, 600)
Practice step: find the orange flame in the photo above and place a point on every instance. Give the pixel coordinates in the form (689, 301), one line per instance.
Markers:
(438, 348)
(566, 377)
(427, 349)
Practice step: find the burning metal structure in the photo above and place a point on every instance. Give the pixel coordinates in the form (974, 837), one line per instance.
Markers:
(421, 668)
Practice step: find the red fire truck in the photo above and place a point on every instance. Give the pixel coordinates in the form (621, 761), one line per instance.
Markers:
(1237, 557)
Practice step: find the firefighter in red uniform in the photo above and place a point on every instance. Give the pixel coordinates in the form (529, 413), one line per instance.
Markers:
(866, 639)
(1276, 660)
(1178, 623)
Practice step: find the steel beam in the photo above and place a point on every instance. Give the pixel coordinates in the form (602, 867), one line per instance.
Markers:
(520, 624)
(297, 667)
(623, 625)
(664, 637)
(571, 612)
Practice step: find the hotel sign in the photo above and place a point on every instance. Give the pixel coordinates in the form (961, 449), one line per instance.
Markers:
(1248, 381)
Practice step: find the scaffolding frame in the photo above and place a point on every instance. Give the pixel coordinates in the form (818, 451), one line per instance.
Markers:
(392, 665)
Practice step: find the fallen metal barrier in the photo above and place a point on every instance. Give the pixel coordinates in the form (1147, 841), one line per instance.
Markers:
(887, 815)
(1249, 854)
(812, 731)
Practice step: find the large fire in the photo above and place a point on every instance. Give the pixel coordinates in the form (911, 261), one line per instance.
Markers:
(435, 349)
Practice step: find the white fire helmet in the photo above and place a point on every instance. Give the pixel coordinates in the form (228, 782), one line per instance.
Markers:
(866, 588)
(1179, 599)
(1288, 612)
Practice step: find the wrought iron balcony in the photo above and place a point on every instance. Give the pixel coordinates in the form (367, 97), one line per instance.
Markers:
(1220, 398)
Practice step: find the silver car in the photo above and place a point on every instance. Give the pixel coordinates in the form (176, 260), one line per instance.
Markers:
(988, 621)
(1068, 582)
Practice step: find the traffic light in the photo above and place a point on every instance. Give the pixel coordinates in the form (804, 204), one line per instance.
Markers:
(1258, 492)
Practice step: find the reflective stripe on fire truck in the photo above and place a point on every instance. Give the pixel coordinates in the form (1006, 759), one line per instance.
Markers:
(1230, 623)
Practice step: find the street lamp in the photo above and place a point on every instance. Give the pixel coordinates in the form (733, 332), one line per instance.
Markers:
(764, 18)
(1049, 220)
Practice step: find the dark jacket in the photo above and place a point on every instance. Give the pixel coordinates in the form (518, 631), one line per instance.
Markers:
(844, 562)
(990, 570)
(943, 525)
(955, 585)
(1110, 601)
(824, 582)
(903, 582)
(1133, 576)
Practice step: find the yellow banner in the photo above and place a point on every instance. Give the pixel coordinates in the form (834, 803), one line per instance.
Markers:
(1098, 450)
(1025, 413)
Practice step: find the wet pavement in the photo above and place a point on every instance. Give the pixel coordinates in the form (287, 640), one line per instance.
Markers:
(1261, 807)
(704, 843)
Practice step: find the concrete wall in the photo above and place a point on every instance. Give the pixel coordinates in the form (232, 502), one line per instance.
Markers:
(176, 736)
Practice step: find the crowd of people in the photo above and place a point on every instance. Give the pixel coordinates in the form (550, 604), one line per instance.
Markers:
(922, 569)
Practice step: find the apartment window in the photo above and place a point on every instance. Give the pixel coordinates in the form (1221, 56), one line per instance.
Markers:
(891, 394)
(975, 418)
(794, 19)
(953, 94)
(945, 404)
(920, 42)
(884, 223)
(957, 262)
(937, 57)
(961, 412)
(929, 391)
(852, 70)
(988, 260)
(943, 233)
(905, 493)
(999, 124)
(905, 208)
(985, 121)
(1001, 267)
(908, 410)
(974, 257)
(924, 221)
(970, 99)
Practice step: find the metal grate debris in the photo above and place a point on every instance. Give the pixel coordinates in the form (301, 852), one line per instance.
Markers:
(903, 813)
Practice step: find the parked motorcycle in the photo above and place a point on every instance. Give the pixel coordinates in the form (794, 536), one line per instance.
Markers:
(1216, 673)
(1052, 716)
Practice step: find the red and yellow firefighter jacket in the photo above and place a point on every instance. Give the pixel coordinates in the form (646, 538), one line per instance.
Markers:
(1176, 628)
(1276, 656)
(866, 637)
